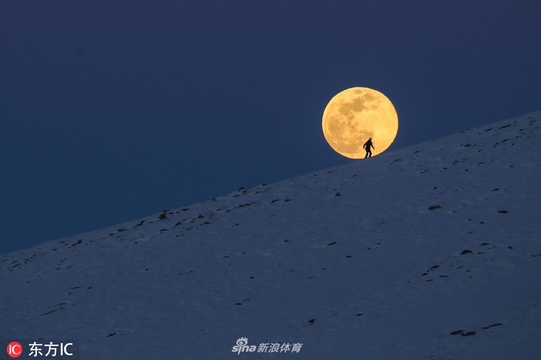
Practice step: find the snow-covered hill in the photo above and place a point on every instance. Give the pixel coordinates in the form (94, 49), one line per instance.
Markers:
(429, 252)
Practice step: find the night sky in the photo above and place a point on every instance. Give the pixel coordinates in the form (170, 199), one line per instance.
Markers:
(115, 110)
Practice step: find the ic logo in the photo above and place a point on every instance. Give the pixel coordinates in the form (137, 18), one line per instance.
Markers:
(14, 349)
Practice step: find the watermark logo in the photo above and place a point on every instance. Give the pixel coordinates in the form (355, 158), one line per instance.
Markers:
(242, 346)
(41, 349)
(265, 347)
(14, 349)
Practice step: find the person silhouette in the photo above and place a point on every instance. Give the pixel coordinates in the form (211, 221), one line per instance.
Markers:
(367, 146)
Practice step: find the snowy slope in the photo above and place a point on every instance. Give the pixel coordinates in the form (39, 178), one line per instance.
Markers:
(379, 259)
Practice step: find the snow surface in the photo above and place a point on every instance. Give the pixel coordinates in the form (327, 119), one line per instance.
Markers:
(377, 259)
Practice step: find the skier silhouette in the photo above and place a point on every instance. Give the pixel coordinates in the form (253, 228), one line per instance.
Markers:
(367, 146)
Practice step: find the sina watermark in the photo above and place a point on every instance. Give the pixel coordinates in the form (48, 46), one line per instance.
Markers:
(265, 347)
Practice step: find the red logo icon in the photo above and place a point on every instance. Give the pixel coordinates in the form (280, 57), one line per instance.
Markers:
(14, 349)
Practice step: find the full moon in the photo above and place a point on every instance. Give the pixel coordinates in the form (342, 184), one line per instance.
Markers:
(355, 115)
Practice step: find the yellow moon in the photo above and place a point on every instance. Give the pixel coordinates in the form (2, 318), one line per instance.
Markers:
(355, 115)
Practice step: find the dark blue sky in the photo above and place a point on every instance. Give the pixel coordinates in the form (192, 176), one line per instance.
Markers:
(110, 111)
